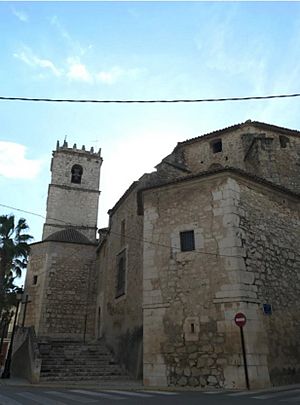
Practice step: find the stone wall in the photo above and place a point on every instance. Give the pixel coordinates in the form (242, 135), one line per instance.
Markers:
(199, 155)
(265, 153)
(72, 203)
(120, 320)
(63, 300)
(190, 298)
(72, 206)
(270, 224)
(183, 341)
(36, 277)
(63, 161)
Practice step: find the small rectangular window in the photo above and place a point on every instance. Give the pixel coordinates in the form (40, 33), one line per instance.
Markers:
(216, 146)
(123, 232)
(284, 141)
(121, 274)
(34, 281)
(187, 241)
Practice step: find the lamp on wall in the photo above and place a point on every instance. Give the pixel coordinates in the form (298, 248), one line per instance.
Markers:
(6, 371)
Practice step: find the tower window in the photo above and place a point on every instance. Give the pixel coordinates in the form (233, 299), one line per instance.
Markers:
(35, 279)
(76, 174)
(284, 141)
(121, 273)
(187, 241)
(216, 146)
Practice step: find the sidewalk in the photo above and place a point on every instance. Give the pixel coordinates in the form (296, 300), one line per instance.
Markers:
(14, 381)
(128, 385)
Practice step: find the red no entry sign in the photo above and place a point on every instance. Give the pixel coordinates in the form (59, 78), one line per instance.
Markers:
(240, 319)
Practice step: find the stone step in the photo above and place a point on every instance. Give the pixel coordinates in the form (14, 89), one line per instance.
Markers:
(78, 361)
(83, 360)
(80, 368)
(78, 346)
(80, 374)
(68, 350)
(74, 353)
(80, 364)
(55, 377)
(70, 361)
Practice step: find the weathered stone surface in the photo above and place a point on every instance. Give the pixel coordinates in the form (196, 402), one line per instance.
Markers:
(212, 380)
(64, 298)
(241, 258)
(175, 315)
(71, 203)
(120, 318)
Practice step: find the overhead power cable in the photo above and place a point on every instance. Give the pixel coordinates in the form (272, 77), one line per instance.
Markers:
(200, 100)
(133, 238)
(34, 213)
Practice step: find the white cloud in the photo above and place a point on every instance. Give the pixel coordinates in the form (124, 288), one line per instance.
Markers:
(56, 23)
(20, 15)
(75, 46)
(14, 165)
(116, 73)
(75, 70)
(78, 71)
(27, 56)
(110, 76)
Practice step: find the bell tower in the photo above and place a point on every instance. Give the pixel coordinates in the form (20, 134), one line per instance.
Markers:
(73, 193)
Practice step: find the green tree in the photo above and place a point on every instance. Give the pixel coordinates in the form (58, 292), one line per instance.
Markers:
(14, 250)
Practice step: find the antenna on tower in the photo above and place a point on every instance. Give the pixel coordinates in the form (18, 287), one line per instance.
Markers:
(65, 142)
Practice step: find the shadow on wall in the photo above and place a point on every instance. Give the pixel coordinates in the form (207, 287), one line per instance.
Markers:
(285, 376)
(130, 352)
(26, 360)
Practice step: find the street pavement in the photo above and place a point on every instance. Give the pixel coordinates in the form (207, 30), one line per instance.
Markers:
(47, 395)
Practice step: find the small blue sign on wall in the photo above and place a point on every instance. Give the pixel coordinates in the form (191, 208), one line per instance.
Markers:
(267, 308)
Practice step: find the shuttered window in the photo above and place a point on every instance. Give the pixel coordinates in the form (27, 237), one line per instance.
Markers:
(187, 241)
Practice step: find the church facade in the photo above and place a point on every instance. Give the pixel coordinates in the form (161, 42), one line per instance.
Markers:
(213, 232)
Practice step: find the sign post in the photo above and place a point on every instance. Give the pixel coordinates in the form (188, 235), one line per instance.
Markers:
(240, 320)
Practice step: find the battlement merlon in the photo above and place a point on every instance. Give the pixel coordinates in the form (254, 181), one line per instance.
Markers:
(64, 148)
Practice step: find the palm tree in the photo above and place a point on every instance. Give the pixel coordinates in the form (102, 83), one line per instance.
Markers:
(14, 250)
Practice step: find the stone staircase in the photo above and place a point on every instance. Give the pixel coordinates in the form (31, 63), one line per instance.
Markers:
(75, 361)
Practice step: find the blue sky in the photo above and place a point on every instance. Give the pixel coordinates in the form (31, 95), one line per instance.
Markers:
(134, 50)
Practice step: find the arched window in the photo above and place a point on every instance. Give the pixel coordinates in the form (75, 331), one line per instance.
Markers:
(76, 174)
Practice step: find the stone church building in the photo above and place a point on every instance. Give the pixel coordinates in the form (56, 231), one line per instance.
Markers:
(212, 232)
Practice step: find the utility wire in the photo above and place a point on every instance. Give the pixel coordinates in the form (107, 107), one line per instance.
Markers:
(34, 213)
(201, 100)
(175, 248)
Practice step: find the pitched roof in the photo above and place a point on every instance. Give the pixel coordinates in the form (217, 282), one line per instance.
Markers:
(256, 124)
(69, 235)
(123, 197)
(208, 173)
